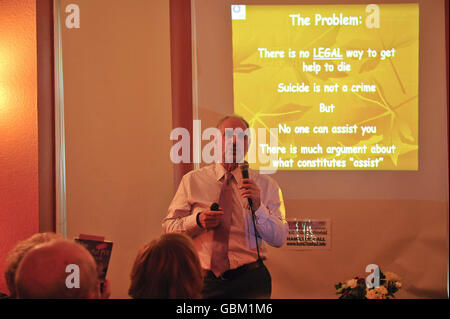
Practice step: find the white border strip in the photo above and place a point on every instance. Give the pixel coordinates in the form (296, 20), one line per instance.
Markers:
(195, 83)
(60, 146)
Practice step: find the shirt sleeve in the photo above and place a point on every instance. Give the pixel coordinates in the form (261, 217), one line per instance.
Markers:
(270, 218)
(180, 218)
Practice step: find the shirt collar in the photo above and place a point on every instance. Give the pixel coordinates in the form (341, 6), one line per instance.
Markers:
(220, 172)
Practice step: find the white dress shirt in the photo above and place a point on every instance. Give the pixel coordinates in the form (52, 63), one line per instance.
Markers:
(200, 188)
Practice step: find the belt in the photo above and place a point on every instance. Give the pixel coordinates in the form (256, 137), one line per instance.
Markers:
(233, 273)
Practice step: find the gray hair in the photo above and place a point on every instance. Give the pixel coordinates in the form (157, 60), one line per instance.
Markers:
(235, 116)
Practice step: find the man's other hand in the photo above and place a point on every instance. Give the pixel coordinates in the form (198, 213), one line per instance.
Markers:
(210, 219)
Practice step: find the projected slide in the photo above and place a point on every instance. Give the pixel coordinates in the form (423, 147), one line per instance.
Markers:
(339, 83)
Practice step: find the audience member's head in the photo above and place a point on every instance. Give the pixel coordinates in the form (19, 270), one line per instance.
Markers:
(167, 267)
(44, 272)
(17, 253)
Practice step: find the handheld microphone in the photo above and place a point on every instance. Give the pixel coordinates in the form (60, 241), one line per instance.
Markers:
(214, 207)
(244, 170)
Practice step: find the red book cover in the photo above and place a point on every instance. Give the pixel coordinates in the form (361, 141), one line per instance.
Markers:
(99, 249)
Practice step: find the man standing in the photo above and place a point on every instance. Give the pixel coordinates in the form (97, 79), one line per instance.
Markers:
(230, 255)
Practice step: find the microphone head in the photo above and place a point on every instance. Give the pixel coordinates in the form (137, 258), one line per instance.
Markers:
(243, 165)
(244, 169)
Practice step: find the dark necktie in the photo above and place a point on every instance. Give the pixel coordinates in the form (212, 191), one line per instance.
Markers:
(219, 256)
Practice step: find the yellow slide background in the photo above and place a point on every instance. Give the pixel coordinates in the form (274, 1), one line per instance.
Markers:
(392, 110)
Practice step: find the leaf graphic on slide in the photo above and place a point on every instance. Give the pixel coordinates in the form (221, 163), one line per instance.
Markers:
(369, 65)
(391, 61)
(325, 76)
(405, 102)
(301, 76)
(399, 39)
(246, 68)
(294, 111)
(357, 44)
(326, 39)
(382, 94)
(402, 43)
(246, 50)
(381, 102)
(405, 130)
(400, 131)
(370, 141)
(406, 148)
(401, 148)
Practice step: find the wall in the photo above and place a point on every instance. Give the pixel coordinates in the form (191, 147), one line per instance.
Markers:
(118, 121)
(18, 126)
(398, 220)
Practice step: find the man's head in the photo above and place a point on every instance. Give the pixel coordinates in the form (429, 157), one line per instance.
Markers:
(17, 253)
(43, 272)
(167, 267)
(235, 138)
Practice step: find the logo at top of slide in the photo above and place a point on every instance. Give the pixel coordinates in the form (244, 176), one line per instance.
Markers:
(238, 12)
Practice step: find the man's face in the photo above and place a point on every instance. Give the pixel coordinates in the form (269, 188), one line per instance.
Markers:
(234, 140)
